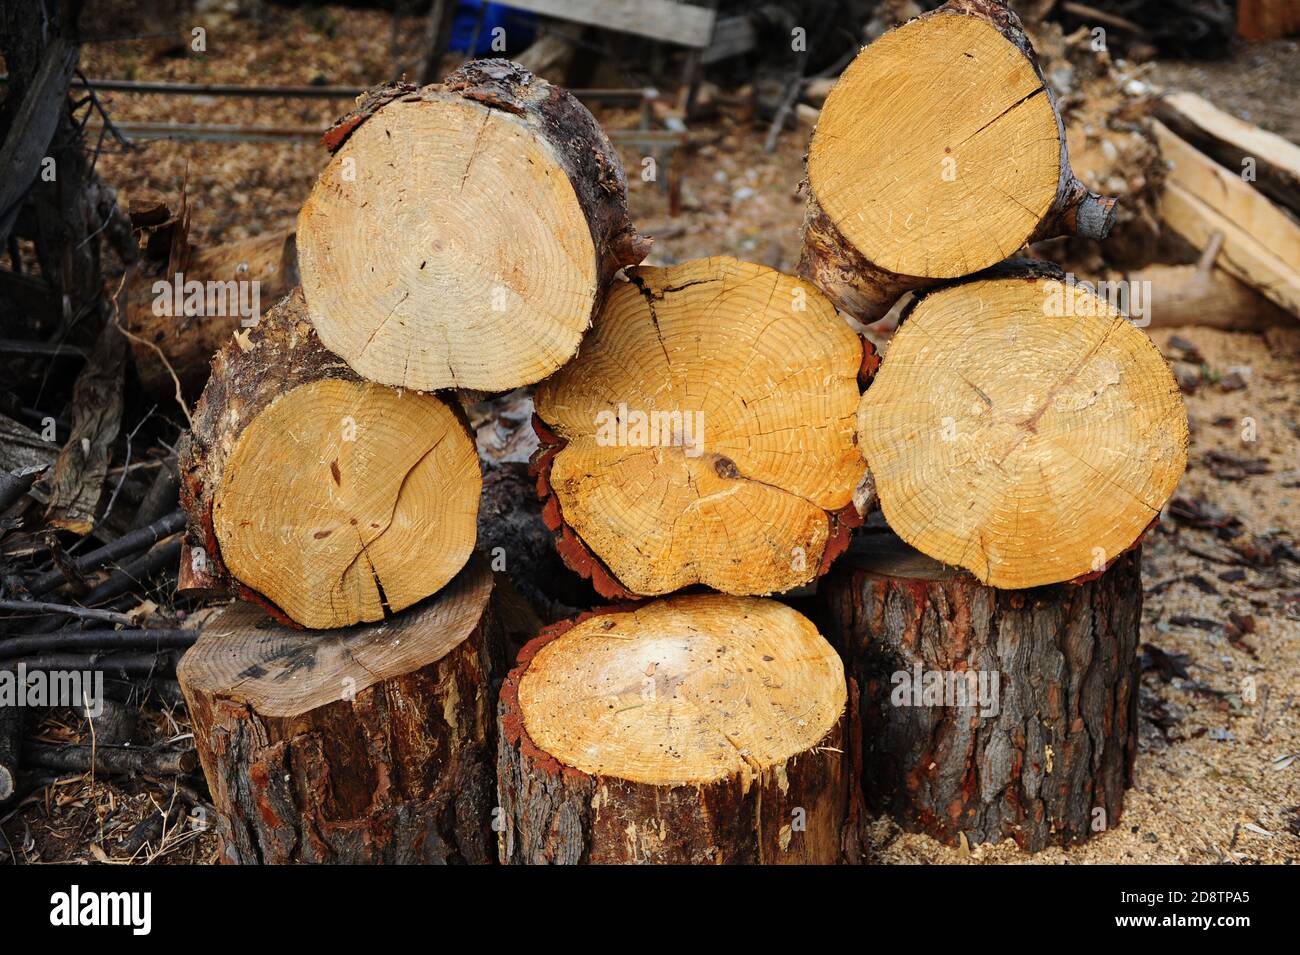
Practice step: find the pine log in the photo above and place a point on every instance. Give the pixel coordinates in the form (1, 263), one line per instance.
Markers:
(1022, 428)
(704, 434)
(185, 338)
(703, 729)
(328, 499)
(988, 714)
(373, 744)
(463, 233)
(938, 153)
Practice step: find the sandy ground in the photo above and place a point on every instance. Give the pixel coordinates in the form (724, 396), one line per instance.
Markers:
(1218, 775)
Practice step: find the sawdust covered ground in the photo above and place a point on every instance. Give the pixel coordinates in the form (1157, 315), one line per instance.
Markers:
(1218, 775)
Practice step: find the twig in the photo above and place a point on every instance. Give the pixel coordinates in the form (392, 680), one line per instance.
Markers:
(121, 666)
(111, 759)
(161, 639)
(85, 613)
(117, 320)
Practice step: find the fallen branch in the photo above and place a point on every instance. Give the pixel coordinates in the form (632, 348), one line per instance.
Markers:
(127, 544)
(85, 613)
(111, 759)
(64, 640)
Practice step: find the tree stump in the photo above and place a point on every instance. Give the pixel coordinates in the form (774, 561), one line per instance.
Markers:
(704, 434)
(1043, 747)
(1022, 428)
(701, 729)
(328, 499)
(373, 744)
(939, 152)
(463, 233)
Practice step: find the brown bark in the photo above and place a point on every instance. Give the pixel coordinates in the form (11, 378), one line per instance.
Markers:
(556, 814)
(369, 745)
(867, 291)
(1050, 766)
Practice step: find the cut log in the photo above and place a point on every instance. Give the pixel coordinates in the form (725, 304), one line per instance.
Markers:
(1275, 161)
(988, 714)
(367, 745)
(463, 233)
(186, 337)
(704, 434)
(328, 499)
(1191, 295)
(1022, 428)
(704, 729)
(1262, 266)
(938, 153)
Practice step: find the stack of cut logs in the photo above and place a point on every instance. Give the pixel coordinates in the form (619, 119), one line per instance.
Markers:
(704, 428)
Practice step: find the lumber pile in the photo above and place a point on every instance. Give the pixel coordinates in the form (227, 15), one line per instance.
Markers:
(713, 427)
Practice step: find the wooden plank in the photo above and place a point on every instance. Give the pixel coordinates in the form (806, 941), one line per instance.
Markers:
(1241, 256)
(1230, 140)
(1228, 194)
(732, 36)
(680, 23)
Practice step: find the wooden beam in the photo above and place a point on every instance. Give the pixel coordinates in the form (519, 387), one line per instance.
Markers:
(682, 23)
(1230, 141)
(1225, 192)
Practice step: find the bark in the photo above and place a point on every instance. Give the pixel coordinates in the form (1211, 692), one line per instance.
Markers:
(1050, 766)
(394, 767)
(558, 815)
(510, 527)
